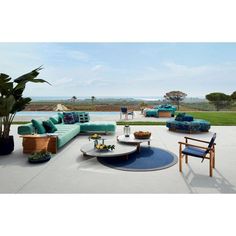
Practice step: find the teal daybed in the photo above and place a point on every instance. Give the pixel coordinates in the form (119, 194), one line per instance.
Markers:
(187, 124)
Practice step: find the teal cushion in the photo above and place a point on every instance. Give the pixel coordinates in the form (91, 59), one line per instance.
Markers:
(55, 120)
(38, 126)
(60, 117)
(66, 133)
(26, 129)
(49, 126)
(101, 126)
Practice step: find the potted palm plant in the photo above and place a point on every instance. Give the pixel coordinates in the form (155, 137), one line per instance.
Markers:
(11, 102)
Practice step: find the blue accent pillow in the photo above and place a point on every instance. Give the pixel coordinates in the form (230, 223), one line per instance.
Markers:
(68, 118)
(49, 126)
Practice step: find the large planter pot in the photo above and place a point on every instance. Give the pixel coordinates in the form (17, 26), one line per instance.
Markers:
(6, 145)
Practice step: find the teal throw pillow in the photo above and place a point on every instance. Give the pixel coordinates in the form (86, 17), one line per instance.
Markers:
(55, 120)
(38, 126)
(60, 118)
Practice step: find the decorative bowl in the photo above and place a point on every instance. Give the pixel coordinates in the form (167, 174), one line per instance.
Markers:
(142, 134)
(95, 136)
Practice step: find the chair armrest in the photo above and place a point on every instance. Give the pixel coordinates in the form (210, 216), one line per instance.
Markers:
(191, 145)
(198, 140)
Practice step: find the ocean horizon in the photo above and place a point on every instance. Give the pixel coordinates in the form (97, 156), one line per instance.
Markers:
(143, 98)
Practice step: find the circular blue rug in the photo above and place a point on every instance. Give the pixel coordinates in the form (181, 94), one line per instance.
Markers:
(149, 159)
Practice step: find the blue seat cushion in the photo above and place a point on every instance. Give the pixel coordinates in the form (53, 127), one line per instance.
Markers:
(196, 152)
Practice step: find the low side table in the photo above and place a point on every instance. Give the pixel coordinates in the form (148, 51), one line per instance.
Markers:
(38, 143)
(132, 140)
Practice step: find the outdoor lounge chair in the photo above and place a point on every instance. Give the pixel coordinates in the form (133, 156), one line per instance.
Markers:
(198, 151)
(124, 111)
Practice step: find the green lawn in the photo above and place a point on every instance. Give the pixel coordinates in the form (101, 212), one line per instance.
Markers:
(216, 118)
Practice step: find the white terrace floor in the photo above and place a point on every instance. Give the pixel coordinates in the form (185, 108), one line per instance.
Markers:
(70, 172)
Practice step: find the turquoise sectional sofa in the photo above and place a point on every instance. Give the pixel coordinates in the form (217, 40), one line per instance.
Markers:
(66, 132)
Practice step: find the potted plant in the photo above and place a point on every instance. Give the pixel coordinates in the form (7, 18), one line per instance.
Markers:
(12, 101)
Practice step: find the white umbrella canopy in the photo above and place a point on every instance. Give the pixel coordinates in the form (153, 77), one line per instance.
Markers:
(60, 107)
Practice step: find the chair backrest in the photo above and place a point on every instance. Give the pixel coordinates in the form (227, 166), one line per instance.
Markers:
(211, 143)
(124, 109)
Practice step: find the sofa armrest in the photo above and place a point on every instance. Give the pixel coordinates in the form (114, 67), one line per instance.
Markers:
(25, 129)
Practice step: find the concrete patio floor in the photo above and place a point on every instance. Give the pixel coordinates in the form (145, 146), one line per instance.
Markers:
(70, 172)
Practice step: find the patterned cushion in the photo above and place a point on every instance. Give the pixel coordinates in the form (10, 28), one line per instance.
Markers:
(49, 126)
(68, 118)
(38, 126)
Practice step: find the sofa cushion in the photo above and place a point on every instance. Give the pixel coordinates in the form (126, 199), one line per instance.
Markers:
(151, 112)
(66, 132)
(60, 118)
(54, 119)
(68, 118)
(180, 117)
(104, 126)
(26, 129)
(38, 126)
(49, 126)
(76, 116)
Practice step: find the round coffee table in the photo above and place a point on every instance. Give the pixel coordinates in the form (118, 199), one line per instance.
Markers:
(120, 150)
(132, 140)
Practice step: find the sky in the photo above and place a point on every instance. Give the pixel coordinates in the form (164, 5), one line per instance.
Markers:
(123, 69)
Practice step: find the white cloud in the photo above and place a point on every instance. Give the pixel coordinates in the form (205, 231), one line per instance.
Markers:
(97, 67)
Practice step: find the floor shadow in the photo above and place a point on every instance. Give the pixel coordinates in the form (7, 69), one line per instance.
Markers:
(220, 183)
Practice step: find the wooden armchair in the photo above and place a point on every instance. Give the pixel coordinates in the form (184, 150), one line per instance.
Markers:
(198, 151)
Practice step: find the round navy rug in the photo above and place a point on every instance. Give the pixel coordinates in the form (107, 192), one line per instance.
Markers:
(149, 158)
